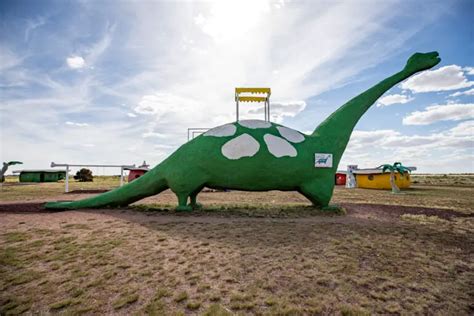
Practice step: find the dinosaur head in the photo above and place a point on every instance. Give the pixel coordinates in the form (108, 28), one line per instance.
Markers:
(11, 163)
(422, 61)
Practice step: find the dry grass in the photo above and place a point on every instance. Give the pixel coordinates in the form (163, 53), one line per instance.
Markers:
(444, 179)
(444, 197)
(145, 260)
(13, 190)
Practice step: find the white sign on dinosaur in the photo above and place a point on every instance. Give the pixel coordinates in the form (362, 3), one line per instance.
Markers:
(323, 160)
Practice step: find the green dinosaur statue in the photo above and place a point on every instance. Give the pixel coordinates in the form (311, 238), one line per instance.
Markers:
(5, 168)
(257, 156)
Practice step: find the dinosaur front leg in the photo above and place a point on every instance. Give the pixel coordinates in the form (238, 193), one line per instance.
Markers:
(183, 202)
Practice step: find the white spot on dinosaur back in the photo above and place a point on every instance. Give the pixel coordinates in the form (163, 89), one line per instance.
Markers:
(222, 131)
(290, 134)
(241, 146)
(279, 147)
(255, 124)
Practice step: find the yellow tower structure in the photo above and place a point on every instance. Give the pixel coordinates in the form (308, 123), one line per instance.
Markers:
(248, 95)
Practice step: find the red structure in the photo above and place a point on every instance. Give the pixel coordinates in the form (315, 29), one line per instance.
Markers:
(137, 172)
(340, 178)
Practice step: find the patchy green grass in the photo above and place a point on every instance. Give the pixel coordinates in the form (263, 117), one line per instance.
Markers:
(242, 302)
(217, 310)
(15, 236)
(13, 305)
(244, 210)
(9, 257)
(182, 296)
(271, 255)
(314, 265)
(193, 305)
(124, 300)
(156, 306)
(63, 303)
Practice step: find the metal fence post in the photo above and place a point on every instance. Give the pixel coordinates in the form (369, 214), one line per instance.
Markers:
(67, 179)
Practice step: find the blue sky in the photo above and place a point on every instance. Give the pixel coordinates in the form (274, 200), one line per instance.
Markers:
(120, 82)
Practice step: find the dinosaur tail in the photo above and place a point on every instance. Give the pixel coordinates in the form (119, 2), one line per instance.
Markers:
(149, 184)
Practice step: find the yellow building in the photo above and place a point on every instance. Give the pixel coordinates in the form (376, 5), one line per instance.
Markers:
(376, 179)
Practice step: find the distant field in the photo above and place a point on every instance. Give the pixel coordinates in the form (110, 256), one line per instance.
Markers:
(14, 190)
(244, 253)
(444, 179)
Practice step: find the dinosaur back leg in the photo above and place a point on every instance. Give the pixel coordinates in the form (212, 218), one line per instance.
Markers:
(186, 185)
(183, 202)
(183, 199)
(193, 198)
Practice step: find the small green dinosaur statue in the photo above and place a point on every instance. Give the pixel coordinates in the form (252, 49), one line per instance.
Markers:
(257, 156)
(5, 168)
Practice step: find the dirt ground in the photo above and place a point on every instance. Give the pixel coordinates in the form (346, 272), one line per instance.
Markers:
(244, 253)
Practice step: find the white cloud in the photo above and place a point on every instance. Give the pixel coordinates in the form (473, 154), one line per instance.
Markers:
(460, 93)
(278, 110)
(96, 51)
(362, 137)
(225, 53)
(443, 79)
(225, 19)
(446, 151)
(164, 103)
(91, 53)
(164, 146)
(153, 135)
(196, 67)
(75, 62)
(436, 113)
(394, 99)
(172, 114)
(76, 124)
(469, 70)
(463, 129)
(8, 59)
(131, 115)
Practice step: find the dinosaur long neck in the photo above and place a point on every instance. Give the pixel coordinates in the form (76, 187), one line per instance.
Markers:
(337, 128)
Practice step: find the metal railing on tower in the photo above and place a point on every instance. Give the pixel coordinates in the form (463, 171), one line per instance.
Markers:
(253, 95)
